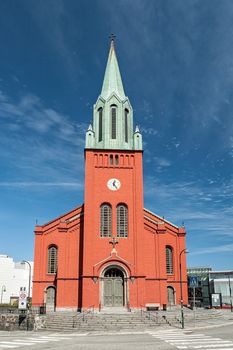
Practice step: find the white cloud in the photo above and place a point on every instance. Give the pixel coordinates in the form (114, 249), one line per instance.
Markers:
(38, 142)
(213, 250)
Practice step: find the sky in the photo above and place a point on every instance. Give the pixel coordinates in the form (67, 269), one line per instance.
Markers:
(176, 62)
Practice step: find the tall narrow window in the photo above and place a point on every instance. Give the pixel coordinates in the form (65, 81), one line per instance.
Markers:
(111, 159)
(126, 125)
(169, 260)
(113, 116)
(105, 220)
(122, 220)
(100, 110)
(52, 259)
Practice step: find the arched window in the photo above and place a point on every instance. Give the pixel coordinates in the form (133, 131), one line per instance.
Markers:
(122, 220)
(105, 220)
(113, 117)
(169, 260)
(126, 125)
(111, 159)
(52, 259)
(117, 159)
(100, 111)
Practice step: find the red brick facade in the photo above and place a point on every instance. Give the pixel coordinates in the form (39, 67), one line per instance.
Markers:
(83, 255)
(78, 263)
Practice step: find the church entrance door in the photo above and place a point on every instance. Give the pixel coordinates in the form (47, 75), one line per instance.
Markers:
(113, 287)
(50, 299)
(170, 296)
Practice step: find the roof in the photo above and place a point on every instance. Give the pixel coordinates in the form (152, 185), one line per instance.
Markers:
(112, 78)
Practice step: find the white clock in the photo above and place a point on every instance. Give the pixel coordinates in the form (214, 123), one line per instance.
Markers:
(114, 184)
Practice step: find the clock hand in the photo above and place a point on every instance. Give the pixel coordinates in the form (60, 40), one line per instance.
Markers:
(114, 183)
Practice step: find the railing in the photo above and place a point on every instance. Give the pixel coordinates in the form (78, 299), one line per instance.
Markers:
(82, 316)
(128, 307)
(154, 316)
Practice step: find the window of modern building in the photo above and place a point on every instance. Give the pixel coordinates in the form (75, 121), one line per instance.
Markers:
(100, 110)
(52, 259)
(122, 220)
(105, 220)
(169, 260)
(113, 117)
(126, 125)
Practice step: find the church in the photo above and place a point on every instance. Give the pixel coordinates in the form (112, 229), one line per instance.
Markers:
(110, 252)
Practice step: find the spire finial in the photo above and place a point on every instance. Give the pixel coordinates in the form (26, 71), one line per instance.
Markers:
(112, 38)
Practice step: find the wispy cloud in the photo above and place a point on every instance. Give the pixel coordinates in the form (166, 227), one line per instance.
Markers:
(39, 142)
(30, 112)
(32, 184)
(213, 250)
(187, 201)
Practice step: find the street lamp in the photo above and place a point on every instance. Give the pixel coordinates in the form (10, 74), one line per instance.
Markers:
(2, 291)
(185, 251)
(29, 278)
(229, 281)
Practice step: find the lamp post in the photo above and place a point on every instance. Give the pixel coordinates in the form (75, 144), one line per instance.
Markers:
(29, 278)
(2, 291)
(229, 281)
(185, 251)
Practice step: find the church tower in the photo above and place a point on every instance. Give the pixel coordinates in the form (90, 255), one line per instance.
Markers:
(110, 251)
(113, 192)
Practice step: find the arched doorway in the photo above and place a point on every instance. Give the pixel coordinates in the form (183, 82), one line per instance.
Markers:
(170, 296)
(114, 287)
(50, 299)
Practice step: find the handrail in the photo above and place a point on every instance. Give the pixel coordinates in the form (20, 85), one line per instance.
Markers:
(128, 306)
(89, 310)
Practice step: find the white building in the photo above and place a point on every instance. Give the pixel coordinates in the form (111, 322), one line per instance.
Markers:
(14, 277)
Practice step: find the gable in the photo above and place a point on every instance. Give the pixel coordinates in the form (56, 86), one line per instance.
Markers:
(63, 222)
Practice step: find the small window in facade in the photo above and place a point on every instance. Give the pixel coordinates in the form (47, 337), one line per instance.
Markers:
(169, 260)
(111, 159)
(113, 116)
(122, 220)
(100, 110)
(117, 160)
(126, 125)
(105, 220)
(52, 259)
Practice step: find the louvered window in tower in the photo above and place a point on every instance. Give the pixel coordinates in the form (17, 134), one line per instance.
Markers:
(126, 125)
(122, 220)
(105, 220)
(169, 260)
(52, 259)
(113, 116)
(100, 110)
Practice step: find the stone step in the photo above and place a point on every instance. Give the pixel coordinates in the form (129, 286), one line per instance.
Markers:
(85, 322)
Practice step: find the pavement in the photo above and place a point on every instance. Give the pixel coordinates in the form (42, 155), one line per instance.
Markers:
(159, 339)
(213, 334)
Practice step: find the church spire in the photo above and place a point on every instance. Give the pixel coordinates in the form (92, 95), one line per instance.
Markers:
(113, 114)
(112, 77)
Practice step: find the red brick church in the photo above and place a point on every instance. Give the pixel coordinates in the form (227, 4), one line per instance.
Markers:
(110, 251)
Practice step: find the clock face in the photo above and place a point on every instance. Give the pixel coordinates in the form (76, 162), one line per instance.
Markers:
(114, 184)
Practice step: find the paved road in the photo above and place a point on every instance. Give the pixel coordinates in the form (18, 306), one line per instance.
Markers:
(218, 338)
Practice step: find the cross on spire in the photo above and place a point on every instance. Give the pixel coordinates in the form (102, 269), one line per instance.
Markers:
(113, 242)
(112, 37)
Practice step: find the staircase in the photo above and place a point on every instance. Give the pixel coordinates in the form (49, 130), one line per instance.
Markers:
(82, 322)
(118, 320)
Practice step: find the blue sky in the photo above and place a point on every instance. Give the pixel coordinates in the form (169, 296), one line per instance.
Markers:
(176, 61)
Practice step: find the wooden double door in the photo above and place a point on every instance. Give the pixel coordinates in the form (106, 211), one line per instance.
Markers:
(113, 289)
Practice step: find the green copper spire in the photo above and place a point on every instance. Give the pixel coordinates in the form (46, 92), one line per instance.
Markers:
(113, 114)
(112, 77)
